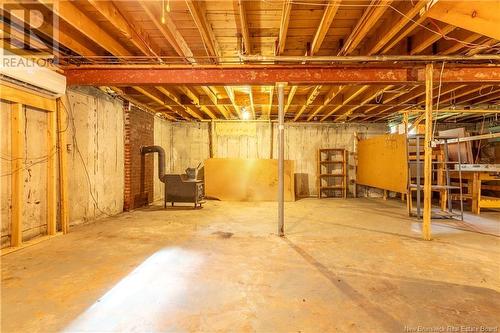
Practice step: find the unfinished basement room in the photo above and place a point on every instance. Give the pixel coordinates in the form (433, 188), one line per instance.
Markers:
(250, 166)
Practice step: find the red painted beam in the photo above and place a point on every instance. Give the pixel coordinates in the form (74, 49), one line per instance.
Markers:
(262, 75)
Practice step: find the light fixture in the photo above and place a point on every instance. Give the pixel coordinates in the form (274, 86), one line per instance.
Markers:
(245, 114)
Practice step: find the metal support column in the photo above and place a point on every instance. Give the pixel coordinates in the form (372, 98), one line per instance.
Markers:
(281, 159)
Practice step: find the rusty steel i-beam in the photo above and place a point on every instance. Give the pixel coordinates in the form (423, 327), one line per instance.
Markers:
(116, 75)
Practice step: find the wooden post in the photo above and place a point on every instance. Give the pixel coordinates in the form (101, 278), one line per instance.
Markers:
(51, 173)
(476, 193)
(212, 139)
(62, 127)
(17, 171)
(408, 191)
(271, 139)
(426, 223)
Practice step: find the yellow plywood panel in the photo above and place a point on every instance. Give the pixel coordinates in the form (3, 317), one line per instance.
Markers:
(382, 162)
(233, 179)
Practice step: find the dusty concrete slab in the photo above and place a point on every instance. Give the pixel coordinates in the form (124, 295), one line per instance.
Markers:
(354, 265)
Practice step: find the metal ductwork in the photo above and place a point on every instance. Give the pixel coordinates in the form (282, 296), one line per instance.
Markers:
(161, 159)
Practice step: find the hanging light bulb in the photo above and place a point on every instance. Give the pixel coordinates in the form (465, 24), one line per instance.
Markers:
(245, 114)
(168, 6)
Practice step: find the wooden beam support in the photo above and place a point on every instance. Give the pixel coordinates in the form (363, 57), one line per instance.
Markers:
(244, 28)
(334, 91)
(230, 94)
(426, 222)
(17, 122)
(324, 25)
(407, 30)
(252, 107)
(61, 37)
(174, 97)
(204, 28)
(169, 31)
(285, 19)
(265, 75)
(371, 94)
(221, 108)
(389, 29)
(479, 16)
(289, 99)
(62, 125)
(123, 25)
(270, 105)
(367, 21)
(72, 15)
(158, 99)
(424, 39)
(356, 92)
(16, 95)
(51, 173)
(311, 96)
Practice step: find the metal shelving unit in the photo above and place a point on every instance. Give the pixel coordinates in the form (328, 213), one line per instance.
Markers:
(415, 172)
(332, 172)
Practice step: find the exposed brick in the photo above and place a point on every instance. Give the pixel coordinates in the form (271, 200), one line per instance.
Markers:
(139, 170)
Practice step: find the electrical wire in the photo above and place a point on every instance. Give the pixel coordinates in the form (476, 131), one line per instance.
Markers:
(437, 102)
(77, 148)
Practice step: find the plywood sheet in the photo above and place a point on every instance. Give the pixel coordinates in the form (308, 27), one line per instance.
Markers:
(382, 162)
(233, 179)
(453, 148)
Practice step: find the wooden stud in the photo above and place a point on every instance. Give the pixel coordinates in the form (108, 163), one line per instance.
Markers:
(365, 24)
(390, 29)
(52, 173)
(17, 172)
(206, 32)
(426, 223)
(70, 13)
(122, 24)
(324, 25)
(424, 39)
(285, 19)
(62, 127)
(169, 31)
(476, 16)
(476, 193)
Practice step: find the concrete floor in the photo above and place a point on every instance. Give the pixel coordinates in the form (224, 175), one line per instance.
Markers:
(354, 265)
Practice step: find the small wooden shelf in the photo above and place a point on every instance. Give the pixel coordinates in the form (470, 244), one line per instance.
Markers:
(332, 172)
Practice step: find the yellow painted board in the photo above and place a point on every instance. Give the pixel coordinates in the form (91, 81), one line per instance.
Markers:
(232, 179)
(382, 162)
(489, 202)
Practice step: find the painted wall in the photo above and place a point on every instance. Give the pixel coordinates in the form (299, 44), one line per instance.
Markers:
(188, 144)
(94, 138)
